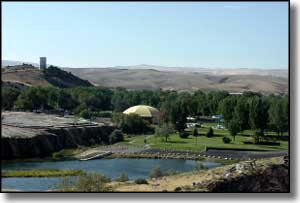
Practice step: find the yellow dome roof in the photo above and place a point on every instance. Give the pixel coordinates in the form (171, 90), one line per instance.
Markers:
(143, 111)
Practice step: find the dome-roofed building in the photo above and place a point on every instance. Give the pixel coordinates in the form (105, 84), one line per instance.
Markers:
(144, 111)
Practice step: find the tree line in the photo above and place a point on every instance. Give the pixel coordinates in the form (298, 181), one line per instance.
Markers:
(247, 111)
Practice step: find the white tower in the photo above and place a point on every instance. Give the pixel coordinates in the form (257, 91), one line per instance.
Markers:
(43, 63)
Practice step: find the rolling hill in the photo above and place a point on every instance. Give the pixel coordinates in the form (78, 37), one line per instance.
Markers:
(153, 77)
(182, 81)
(28, 75)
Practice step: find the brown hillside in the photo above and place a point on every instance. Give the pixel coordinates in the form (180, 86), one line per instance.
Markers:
(189, 81)
(31, 76)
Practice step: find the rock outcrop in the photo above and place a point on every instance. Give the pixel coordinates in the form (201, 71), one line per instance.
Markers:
(45, 141)
(251, 178)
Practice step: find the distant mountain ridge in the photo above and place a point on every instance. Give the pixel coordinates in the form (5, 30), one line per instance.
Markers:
(138, 79)
(151, 77)
(212, 71)
(15, 63)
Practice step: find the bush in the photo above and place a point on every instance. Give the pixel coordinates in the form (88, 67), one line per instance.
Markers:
(178, 189)
(170, 172)
(210, 133)
(104, 114)
(64, 154)
(87, 182)
(156, 172)
(123, 177)
(200, 166)
(57, 155)
(85, 114)
(141, 181)
(183, 134)
(226, 140)
(257, 136)
(248, 142)
(116, 136)
(195, 132)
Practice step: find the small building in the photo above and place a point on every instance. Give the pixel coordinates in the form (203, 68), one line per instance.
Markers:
(147, 112)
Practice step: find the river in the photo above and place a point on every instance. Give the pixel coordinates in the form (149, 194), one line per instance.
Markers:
(136, 168)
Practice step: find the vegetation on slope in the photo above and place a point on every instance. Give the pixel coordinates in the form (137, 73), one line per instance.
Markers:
(40, 173)
(60, 78)
(32, 76)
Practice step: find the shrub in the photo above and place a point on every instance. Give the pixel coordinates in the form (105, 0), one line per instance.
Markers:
(123, 177)
(104, 114)
(141, 181)
(116, 136)
(156, 172)
(226, 140)
(57, 155)
(170, 172)
(195, 132)
(183, 134)
(200, 166)
(178, 189)
(85, 114)
(210, 133)
(257, 136)
(64, 154)
(87, 182)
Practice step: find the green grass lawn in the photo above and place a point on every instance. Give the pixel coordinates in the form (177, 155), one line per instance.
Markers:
(175, 142)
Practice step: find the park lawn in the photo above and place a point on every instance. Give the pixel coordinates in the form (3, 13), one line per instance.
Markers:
(205, 126)
(175, 142)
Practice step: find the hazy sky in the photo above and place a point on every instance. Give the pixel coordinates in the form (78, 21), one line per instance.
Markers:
(198, 34)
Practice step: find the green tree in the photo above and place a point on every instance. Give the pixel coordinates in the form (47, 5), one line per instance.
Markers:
(9, 95)
(196, 134)
(32, 98)
(226, 108)
(165, 130)
(116, 136)
(66, 101)
(210, 133)
(258, 113)
(278, 117)
(234, 127)
(133, 124)
(241, 113)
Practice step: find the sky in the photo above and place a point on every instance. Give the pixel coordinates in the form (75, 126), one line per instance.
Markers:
(180, 34)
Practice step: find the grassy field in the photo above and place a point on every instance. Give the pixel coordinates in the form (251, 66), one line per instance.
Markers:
(175, 142)
(39, 173)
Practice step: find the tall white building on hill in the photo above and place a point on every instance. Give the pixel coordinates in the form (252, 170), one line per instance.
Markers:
(43, 62)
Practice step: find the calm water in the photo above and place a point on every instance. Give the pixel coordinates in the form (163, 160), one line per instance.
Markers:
(136, 168)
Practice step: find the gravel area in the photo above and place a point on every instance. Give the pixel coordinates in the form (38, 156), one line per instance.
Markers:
(223, 154)
(27, 124)
(28, 119)
(236, 154)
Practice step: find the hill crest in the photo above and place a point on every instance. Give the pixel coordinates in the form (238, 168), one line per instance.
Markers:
(28, 75)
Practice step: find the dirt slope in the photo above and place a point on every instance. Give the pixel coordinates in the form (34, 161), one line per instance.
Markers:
(176, 80)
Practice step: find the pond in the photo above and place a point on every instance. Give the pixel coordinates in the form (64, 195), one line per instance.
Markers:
(136, 168)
